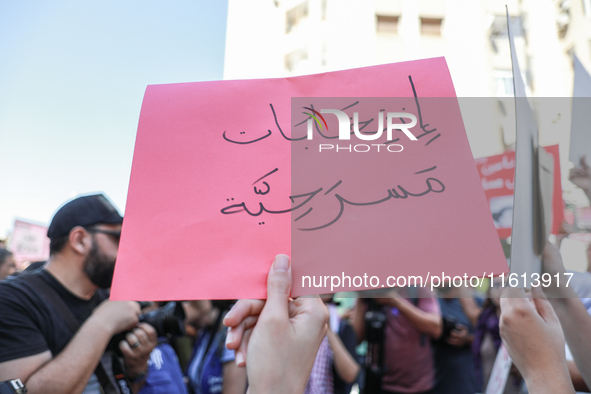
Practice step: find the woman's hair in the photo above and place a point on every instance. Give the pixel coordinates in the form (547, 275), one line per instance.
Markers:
(4, 255)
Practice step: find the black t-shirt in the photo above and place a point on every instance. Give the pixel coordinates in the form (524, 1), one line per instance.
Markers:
(30, 324)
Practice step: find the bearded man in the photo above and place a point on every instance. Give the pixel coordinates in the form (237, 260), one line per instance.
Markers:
(56, 322)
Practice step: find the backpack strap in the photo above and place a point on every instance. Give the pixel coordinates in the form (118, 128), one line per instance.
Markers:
(50, 294)
(54, 299)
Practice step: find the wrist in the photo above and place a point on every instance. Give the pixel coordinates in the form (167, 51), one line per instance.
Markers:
(283, 387)
(287, 383)
(545, 380)
(136, 375)
(100, 327)
(104, 324)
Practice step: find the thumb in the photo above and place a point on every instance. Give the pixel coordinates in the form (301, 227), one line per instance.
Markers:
(279, 286)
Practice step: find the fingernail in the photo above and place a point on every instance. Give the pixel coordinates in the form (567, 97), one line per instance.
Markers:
(239, 358)
(229, 336)
(281, 263)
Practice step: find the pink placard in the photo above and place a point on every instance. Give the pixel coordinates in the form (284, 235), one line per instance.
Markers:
(29, 242)
(202, 150)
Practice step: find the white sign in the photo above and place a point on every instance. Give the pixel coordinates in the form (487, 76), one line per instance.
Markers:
(500, 372)
(29, 242)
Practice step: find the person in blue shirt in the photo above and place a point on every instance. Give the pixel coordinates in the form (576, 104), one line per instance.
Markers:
(455, 372)
(164, 372)
(212, 368)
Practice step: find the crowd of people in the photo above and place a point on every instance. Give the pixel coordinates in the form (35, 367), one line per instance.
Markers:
(59, 332)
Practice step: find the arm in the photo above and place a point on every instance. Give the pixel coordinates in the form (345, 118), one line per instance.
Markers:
(470, 307)
(533, 337)
(425, 322)
(344, 363)
(79, 358)
(575, 321)
(136, 350)
(575, 376)
(576, 324)
(234, 379)
(77, 361)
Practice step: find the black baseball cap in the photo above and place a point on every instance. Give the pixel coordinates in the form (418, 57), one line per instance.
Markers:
(83, 211)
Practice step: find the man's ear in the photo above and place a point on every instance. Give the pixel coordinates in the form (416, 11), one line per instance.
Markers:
(80, 240)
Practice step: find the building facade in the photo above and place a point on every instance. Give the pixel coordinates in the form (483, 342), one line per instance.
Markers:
(279, 38)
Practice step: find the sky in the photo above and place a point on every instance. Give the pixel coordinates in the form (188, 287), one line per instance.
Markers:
(72, 79)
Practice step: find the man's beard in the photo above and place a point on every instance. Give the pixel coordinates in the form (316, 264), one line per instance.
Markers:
(99, 268)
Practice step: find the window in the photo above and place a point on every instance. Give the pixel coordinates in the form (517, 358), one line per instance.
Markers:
(294, 16)
(431, 26)
(294, 58)
(503, 83)
(387, 24)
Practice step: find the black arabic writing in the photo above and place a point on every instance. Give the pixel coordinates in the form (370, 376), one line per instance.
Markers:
(434, 185)
(362, 125)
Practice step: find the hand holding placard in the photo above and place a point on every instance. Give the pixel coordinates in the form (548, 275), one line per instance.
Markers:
(277, 338)
(534, 340)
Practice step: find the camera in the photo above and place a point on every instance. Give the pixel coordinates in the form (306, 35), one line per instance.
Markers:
(14, 386)
(168, 320)
(449, 324)
(375, 323)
